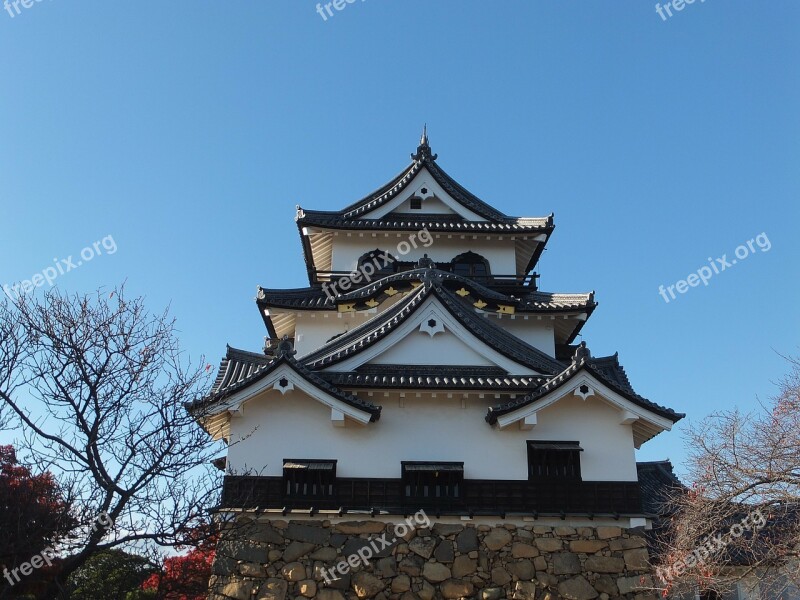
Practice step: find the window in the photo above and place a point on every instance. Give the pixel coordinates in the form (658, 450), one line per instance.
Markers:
(416, 203)
(554, 460)
(432, 482)
(309, 478)
(383, 263)
(470, 264)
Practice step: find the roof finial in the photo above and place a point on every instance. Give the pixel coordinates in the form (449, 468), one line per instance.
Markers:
(285, 348)
(581, 353)
(424, 150)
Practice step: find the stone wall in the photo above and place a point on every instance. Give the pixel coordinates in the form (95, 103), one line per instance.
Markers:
(290, 560)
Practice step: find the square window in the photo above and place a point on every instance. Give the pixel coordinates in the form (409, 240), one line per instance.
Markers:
(554, 460)
(416, 203)
(303, 478)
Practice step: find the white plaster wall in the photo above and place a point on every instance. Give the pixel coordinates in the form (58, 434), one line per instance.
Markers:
(313, 329)
(500, 253)
(539, 334)
(276, 427)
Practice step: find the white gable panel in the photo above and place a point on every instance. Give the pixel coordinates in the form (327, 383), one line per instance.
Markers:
(442, 349)
(423, 179)
(645, 424)
(286, 381)
(430, 205)
(413, 341)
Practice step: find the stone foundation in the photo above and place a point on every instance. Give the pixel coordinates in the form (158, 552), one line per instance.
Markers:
(280, 560)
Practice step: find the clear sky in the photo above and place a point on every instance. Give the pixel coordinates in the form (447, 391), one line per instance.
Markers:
(188, 131)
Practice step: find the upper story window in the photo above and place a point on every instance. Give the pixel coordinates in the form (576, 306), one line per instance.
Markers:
(429, 481)
(471, 264)
(554, 460)
(383, 263)
(415, 203)
(304, 478)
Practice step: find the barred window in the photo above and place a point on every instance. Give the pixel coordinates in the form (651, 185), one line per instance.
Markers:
(554, 460)
(309, 478)
(429, 480)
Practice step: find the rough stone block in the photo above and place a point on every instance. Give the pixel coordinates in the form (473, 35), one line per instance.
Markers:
(456, 588)
(307, 533)
(566, 563)
(467, 540)
(436, 572)
(577, 588)
(606, 533)
(604, 564)
(549, 544)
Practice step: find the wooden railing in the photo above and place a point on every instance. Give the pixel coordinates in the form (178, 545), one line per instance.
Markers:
(478, 496)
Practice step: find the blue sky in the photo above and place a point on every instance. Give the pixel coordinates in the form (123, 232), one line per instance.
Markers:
(189, 130)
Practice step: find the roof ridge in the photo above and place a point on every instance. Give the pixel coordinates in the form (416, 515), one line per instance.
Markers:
(470, 320)
(360, 205)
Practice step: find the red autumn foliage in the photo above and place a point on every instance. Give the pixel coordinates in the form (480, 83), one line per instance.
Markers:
(33, 514)
(186, 577)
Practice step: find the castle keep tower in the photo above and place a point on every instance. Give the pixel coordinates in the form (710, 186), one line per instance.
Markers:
(423, 391)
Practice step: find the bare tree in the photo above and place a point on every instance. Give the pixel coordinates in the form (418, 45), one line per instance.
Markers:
(740, 520)
(98, 387)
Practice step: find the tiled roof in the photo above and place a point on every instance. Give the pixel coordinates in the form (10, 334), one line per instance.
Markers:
(535, 301)
(377, 328)
(315, 298)
(606, 369)
(310, 298)
(428, 377)
(238, 366)
(240, 369)
(417, 222)
(658, 482)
